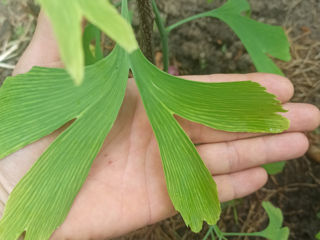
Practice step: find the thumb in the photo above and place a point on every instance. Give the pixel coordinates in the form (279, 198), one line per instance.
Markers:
(42, 50)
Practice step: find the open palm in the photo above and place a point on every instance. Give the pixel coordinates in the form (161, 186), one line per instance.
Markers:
(125, 189)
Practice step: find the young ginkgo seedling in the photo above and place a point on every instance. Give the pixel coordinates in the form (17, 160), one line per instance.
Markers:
(34, 104)
(274, 230)
(260, 40)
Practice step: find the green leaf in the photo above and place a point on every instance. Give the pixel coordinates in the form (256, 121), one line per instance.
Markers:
(318, 234)
(190, 185)
(274, 230)
(230, 106)
(66, 17)
(105, 16)
(32, 108)
(259, 39)
(274, 168)
(91, 33)
(35, 104)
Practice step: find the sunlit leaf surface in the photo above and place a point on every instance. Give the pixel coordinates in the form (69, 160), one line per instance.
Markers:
(231, 106)
(35, 104)
(66, 17)
(261, 41)
(32, 105)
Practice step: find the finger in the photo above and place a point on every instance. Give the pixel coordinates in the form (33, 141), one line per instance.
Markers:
(240, 184)
(303, 117)
(42, 50)
(226, 157)
(280, 86)
(16, 165)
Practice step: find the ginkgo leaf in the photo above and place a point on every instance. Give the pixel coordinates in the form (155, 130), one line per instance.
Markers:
(259, 39)
(231, 106)
(92, 33)
(66, 17)
(274, 168)
(105, 16)
(66, 21)
(274, 230)
(35, 104)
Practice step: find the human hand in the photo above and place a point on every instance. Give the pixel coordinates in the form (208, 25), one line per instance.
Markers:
(125, 189)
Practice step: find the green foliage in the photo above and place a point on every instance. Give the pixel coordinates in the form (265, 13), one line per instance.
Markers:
(66, 18)
(318, 234)
(274, 230)
(5, 2)
(229, 106)
(35, 104)
(259, 39)
(92, 33)
(274, 168)
(32, 105)
(190, 185)
(18, 32)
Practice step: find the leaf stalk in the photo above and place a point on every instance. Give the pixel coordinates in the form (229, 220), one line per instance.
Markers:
(164, 35)
(191, 18)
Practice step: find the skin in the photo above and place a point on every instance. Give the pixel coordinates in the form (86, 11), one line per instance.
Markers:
(125, 189)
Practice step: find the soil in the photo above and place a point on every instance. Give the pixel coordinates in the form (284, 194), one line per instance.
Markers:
(17, 23)
(209, 46)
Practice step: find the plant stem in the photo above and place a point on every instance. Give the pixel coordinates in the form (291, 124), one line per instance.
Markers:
(164, 35)
(241, 234)
(118, 4)
(235, 213)
(218, 232)
(146, 28)
(222, 235)
(183, 21)
(209, 232)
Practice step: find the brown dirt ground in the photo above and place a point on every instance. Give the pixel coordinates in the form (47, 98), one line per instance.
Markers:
(207, 46)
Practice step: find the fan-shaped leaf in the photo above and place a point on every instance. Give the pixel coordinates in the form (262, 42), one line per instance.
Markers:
(231, 106)
(35, 104)
(66, 17)
(274, 230)
(259, 39)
